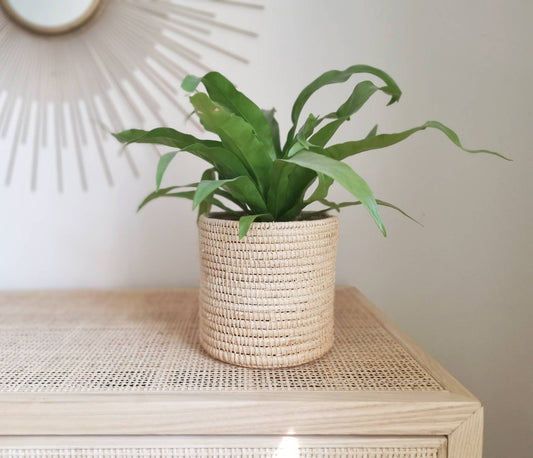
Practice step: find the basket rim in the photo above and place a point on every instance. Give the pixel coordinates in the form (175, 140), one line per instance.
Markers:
(218, 218)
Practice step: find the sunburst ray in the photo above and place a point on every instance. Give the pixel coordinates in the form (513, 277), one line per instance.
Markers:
(55, 91)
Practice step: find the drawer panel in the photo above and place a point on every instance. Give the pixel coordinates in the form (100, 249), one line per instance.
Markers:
(221, 447)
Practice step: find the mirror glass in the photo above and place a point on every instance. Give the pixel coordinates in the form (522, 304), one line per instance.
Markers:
(50, 16)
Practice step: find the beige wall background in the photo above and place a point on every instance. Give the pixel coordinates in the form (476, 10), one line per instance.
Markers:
(461, 285)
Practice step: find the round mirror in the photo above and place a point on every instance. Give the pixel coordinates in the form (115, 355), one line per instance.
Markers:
(50, 16)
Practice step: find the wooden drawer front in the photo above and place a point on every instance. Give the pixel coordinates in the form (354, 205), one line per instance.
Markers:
(220, 447)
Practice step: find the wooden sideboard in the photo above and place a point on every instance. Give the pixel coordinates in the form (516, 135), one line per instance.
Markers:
(121, 374)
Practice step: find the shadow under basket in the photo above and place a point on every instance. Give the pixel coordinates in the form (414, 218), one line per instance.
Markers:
(266, 301)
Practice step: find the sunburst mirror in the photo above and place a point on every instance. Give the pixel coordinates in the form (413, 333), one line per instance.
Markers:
(70, 66)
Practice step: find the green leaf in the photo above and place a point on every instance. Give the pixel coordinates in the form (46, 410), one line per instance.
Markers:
(322, 189)
(287, 191)
(299, 182)
(344, 150)
(205, 188)
(455, 139)
(190, 83)
(308, 127)
(278, 191)
(246, 221)
(167, 192)
(337, 206)
(305, 131)
(242, 205)
(161, 136)
(205, 206)
(237, 135)
(162, 165)
(361, 93)
(300, 144)
(242, 188)
(274, 129)
(337, 76)
(373, 132)
(345, 176)
(359, 96)
(324, 135)
(223, 92)
(394, 207)
(226, 162)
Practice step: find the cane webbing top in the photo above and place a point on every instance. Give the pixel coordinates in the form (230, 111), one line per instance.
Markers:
(233, 452)
(146, 341)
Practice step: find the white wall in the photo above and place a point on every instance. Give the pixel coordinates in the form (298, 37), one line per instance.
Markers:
(461, 285)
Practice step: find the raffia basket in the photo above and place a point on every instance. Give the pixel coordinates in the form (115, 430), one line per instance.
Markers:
(266, 301)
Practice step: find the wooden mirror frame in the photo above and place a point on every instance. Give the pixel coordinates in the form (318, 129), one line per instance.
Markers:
(51, 30)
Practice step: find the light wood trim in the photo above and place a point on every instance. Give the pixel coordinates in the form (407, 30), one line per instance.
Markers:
(446, 380)
(31, 442)
(244, 414)
(442, 452)
(375, 397)
(274, 413)
(467, 440)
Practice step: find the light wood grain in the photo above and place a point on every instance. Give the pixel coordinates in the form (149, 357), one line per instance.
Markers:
(278, 412)
(431, 442)
(467, 440)
(442, 451)
(246, 414)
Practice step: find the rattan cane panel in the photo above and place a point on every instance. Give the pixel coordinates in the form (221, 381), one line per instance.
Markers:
(225, 452)
(147, 342)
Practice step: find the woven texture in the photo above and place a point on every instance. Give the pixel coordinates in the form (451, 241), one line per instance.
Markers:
(219, 453)
(267, 300)
(102, 342)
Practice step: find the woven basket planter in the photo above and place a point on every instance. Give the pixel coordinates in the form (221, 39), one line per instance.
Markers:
(266, 301)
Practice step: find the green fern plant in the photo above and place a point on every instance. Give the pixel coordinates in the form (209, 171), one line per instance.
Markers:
(253, 177)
